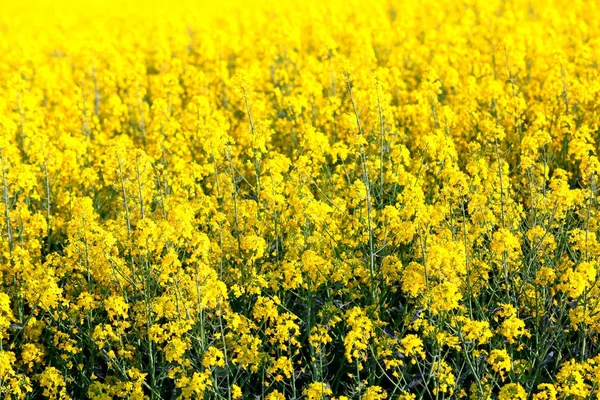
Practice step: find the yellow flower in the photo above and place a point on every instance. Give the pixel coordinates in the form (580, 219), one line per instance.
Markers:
(478, 331)
(236, 392)
(356, 341)
(512, 391)
(545, 276)
(194, 387)
(481, 391)
(445, 297)
(275, 395)
(570, 380)
(175, 350)
(444, 378)
(412, 346)
(6, 315)
(116, 307)
(32, 354)
(500, 361)
(512, 327)
(317, 391)
(53, 383)
(547, 392)
(407, 396)
(374, 393)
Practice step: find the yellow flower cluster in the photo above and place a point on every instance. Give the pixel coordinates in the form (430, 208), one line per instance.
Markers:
(317, 199)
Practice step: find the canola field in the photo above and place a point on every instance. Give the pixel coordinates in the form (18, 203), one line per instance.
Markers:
(300, 199)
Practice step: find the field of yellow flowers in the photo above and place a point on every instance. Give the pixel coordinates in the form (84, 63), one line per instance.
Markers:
(317, 199)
